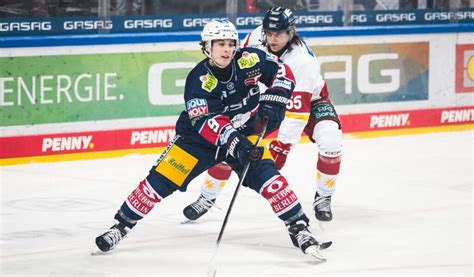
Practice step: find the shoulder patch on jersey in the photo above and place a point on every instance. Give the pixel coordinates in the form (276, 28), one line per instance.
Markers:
(248, 60)
(271, 57)
(197, 107)
(209, 82)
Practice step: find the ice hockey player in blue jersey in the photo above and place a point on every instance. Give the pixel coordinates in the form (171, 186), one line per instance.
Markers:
(222, 106)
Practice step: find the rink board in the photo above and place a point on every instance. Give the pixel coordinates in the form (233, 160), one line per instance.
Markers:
(86, 101)
(112, 143)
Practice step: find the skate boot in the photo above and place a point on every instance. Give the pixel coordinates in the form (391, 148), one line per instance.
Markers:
(198, 208)
(304, 239)
(110, 239)
(322, 207)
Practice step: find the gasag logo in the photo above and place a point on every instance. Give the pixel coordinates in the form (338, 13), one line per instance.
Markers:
(88, 25)
(23, 26)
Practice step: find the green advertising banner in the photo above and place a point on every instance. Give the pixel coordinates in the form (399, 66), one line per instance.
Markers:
(74, 88)
(375, 73)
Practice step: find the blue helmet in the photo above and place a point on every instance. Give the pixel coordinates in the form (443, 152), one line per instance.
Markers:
(278, 19)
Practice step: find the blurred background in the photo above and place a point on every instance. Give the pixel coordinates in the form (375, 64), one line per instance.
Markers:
(61, 8)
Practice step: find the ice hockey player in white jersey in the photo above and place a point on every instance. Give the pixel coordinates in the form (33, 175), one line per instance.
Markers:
(309, 111)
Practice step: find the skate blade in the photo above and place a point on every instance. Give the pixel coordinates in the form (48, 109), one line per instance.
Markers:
(314, 251)
(187, 221)
(96, 251)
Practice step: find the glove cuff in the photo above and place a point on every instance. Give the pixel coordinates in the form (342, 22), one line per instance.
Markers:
(280, 147)
(274, 99)
(233, 143)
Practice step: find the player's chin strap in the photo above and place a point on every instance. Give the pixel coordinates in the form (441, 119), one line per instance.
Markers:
(207, 52)
(211, 271)
(214, 61)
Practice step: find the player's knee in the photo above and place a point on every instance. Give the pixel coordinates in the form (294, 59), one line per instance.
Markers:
(328, 136)
(220, 171)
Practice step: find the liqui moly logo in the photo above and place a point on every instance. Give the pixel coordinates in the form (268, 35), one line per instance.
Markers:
(389, 120)
(197, 107)
(57, 144)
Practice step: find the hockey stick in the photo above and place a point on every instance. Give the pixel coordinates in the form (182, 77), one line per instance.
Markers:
(211, 269)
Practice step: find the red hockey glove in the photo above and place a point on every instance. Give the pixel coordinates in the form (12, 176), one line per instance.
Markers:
(279, 151)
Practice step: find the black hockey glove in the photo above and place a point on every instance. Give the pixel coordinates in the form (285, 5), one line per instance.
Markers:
(274, 112)
(239, 147)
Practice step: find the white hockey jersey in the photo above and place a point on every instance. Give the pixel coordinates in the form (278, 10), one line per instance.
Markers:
(310, 86)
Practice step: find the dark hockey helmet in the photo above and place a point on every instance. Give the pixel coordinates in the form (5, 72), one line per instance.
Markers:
(278, 19)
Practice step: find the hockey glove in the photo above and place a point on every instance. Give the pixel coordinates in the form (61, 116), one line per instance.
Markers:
(243, 150)
(275, 113)
(279, 151)
(273, 107)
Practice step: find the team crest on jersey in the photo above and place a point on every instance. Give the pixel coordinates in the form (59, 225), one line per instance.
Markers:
(252, 80)
(209, 82)
(248, 60)
(283, 84)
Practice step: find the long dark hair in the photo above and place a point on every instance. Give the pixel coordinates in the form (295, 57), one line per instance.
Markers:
(295, 39)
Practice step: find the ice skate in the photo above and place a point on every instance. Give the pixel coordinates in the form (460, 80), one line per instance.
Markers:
(198, 208)
(322, 208)
(305, 240)
(322, 245)
(110, 239)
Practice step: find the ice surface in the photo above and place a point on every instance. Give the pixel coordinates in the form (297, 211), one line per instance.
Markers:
(403, 207)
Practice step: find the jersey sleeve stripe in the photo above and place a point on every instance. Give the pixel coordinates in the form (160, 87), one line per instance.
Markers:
(298, 116)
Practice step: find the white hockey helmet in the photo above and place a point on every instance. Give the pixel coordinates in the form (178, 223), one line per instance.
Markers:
(217, 29)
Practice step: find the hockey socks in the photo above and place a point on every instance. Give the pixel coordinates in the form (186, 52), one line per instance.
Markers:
(282, 199)
(215, 180)
(327, 173)
(138, 204)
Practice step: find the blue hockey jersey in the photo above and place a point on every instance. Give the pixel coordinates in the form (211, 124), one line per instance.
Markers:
(214, 108)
